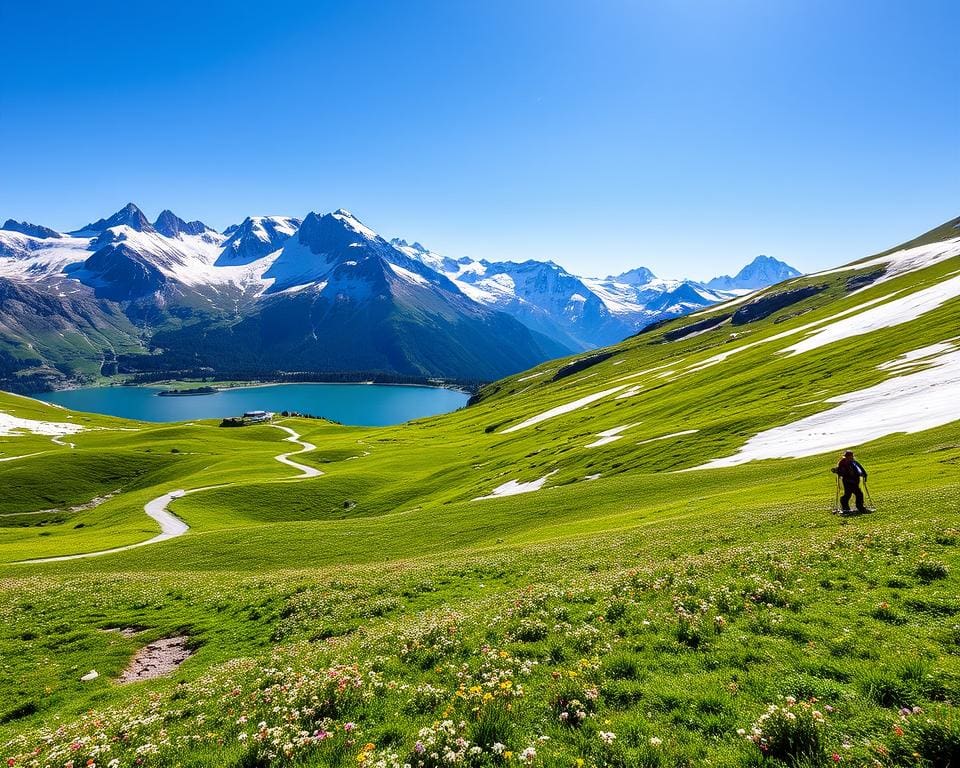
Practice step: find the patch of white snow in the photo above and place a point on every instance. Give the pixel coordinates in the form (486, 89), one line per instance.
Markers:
(565, 408)
(895, 312)
(12, 425)
(910, 403)
(610, 435)
(514, 487)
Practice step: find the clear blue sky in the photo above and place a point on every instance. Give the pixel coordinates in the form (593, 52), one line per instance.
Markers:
(685, 135)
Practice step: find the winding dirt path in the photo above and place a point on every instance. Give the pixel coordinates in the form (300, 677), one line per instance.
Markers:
(284, 458)
(172, 526)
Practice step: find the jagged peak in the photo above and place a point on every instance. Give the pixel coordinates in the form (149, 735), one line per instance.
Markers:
(27, 228)
(351, 222)
(130, 215)
(171, 225)
(635, 276)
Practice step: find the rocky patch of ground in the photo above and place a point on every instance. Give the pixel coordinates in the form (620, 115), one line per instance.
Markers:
(157, 659)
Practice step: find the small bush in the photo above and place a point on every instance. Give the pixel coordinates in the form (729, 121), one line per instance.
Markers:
(928, 740)
(572, 702)
(791, 732)
(804, 686)
(493, 725)
(931, 570)
(616, 610)
(622, 694)
(884, 612)
(887, 690)
(530, 631)
(621, 666)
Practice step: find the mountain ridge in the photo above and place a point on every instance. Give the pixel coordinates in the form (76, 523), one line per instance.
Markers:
(294, 286)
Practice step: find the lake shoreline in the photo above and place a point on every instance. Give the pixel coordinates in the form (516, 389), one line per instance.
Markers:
(229, 384)
(358, 404)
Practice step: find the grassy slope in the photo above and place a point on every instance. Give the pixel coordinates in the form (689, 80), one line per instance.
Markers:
(270, 561)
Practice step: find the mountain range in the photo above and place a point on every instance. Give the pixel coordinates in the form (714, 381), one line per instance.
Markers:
(322, 294)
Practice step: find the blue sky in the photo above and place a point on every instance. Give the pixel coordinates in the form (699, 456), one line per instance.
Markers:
(688, 136)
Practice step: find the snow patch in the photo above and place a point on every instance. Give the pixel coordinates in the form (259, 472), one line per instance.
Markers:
(719, 358)
(610, 435)
(904, 261)
(895, 312)
(565, 408)
(630, 392)
(410, 277)
(532, 376)
(910, 403)
(514, 487)
(667, 437)
(10, 426)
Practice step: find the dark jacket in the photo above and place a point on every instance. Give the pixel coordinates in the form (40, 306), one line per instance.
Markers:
(850, 470)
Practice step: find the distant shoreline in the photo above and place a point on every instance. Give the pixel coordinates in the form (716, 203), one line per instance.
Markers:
(218, 387)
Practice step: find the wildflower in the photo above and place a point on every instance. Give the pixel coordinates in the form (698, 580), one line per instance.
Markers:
(349, 727)
(497, 748)
(655, 742)
(835, 757)
(528, 755)
(607, 737)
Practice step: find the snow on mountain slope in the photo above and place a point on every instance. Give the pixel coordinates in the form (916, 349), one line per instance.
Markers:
(759, 273)
(190, 260)
(348, 258)
(588, 312)
(904, 260)
(255, 237)
(924, 399)
(129, 216)
(172, 273)
(26, 228)
(29, 258)
(171, 225)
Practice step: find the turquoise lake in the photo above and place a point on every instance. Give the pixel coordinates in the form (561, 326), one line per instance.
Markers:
(354, 404)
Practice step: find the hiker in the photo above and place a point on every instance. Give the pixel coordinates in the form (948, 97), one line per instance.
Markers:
(849, 470)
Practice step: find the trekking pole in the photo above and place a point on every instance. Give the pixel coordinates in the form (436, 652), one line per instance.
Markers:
(869, 497)
(836, 498)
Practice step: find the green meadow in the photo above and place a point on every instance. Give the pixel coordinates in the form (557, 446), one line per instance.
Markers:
(627, 613)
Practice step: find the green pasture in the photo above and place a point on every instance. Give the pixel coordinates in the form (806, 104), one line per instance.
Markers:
(669, 608)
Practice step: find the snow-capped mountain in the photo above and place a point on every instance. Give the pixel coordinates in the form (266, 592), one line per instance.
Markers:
(270, 294)
(759, 273)
(26, 228)
(580, 312)
(169, 224)
(128, 216)
(255, 237)
(323, 293)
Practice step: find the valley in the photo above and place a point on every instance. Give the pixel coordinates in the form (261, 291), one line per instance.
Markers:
(281, 298)
(622, 557)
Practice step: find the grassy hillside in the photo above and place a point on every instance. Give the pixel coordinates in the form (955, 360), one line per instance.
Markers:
(627, 613)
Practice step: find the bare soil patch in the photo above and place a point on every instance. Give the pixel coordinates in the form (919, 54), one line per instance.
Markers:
(157, 659)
